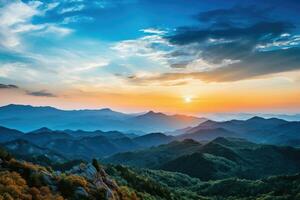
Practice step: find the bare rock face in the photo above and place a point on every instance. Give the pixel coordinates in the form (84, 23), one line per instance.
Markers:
(87, 171)
(47, 177)
(81, 192)
(97, 179)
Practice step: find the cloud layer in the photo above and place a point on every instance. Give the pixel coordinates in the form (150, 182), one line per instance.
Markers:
(235, 44)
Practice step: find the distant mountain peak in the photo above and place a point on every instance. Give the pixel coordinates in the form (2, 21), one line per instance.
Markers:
(208, 123)
(13, 107)
(40, 130)
(106, 110)
(256, 118)
(16, 106)
(267, 120)
(189, 141)
(157, 134)
(154, 113)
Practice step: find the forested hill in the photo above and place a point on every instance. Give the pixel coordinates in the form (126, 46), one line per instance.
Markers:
(77, 180)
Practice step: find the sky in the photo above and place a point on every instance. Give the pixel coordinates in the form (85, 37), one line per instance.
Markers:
(177, 56)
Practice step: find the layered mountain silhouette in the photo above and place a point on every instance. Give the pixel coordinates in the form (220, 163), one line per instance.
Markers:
(220, 158)
(184, 157)
(7, 134)
(257, 129)
(28, 118)
(79, 144)
(153, 157)
(24, 149)
(88, 144)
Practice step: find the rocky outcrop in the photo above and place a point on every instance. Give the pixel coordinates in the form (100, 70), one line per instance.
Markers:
(84, 181)
(97, 179)
(81, 192)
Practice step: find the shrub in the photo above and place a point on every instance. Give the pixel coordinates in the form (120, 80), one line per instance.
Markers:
(4, 155)
(99, 194)
(68, 184)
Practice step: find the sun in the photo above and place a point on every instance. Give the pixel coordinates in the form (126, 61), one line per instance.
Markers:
(187, 99)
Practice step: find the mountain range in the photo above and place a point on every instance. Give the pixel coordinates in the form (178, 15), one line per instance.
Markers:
(244, 116)
(256, 129)
(147, 156)
(77, 144)
(218, 159)
(88, 144)
(21, 117)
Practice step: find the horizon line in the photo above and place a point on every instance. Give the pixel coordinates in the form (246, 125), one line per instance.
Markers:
(153, 110)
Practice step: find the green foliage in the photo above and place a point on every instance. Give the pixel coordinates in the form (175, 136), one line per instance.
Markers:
(142, 184)
(66, 165)
(219, 159)
(99, 194)
(4, 155)
(126, 193)
(183, 187)
(26, 181)
(68, 184)
(36, 180)
(153, 157)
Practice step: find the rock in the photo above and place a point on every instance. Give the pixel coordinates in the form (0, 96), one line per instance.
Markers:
(87, 171)
(90, 172)
(47, 177)
(103, 173)
(110, 183)
(109, 194)
(98, 180)
(57, 173)
(99, 183)
(80, 192)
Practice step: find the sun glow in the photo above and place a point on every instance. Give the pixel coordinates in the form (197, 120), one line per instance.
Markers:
(187, 99)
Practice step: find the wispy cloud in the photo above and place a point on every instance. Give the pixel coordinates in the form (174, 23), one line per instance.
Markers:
(15, 20)
(56, 30)
(77, 19)
(8, 86)
(51, 6)
(154, 31)
(41, 93)
(16, 14)
(151, 45)
(74, 8)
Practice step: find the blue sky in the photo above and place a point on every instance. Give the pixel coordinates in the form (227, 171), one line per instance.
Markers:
(62, 51)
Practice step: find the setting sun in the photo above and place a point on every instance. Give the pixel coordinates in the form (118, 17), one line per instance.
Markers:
(187, 99)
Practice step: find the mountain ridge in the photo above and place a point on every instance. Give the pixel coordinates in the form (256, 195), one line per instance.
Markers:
(21, 117)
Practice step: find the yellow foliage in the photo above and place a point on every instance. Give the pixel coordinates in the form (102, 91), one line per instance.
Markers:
(126, 194)
(77, 180)
(26, 165)
(13, 186)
